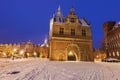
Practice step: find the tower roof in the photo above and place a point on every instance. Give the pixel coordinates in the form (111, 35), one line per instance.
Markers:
(117, 25)
(45, 43)
(72, 11)
(59, 11)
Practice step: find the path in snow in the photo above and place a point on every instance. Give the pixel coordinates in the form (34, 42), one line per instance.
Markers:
(36, 69)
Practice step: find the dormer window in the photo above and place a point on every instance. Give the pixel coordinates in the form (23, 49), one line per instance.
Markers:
(72, 20)
(59, 19)
(54, 19)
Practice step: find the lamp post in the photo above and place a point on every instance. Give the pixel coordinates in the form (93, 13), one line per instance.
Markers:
(35, 54)
(21, 52)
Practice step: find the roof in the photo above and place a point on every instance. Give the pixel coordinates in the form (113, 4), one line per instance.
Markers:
(117, 25)
(84, 23)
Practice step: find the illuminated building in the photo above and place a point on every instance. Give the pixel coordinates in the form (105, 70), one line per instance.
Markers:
(70, 38)
(112, 38)
(44, 49)
(19, 50)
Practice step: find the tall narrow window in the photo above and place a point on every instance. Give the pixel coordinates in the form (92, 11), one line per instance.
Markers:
(83, 32)
(55, 19)
(118, 53)
(59, 19)
(113, 53)
(61, 31)
(72, 32)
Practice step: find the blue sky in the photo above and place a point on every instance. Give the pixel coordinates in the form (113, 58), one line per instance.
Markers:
(23, 20)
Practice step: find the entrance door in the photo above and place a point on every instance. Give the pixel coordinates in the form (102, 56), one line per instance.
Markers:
(71, 56)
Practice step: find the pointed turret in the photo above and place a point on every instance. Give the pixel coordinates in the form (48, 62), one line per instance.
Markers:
(58, 17)
(59, 11)
(72, 11)
(45, 42)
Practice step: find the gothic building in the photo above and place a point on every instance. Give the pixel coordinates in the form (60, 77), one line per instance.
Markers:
(70, 38)
(112, 38)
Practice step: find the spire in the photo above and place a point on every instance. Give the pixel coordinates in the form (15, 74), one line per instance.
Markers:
(45, 41)
(59, 10)
(72, 10)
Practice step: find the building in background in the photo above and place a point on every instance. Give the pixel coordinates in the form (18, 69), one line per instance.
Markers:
(70, 37)
(19, 50)
(44, 49)
(112, 39)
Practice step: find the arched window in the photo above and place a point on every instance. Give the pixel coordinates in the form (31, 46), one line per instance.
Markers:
(113, 53)
(118, 53)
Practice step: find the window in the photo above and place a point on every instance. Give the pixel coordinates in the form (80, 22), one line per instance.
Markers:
(113, 53)
(72, 20)
(109, 54)
(59, 19)
(55, 19)
(118, 53)
(61, 31)
(83, 33)
(72, 32)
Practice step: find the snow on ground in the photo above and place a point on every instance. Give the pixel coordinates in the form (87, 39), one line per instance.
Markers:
(37, 69)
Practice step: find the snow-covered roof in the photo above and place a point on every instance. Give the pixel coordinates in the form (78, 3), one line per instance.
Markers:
(84, 23)
(117, 24)
(45, 43)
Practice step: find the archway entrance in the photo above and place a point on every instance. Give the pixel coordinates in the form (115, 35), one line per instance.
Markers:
(71, 56)
(73, 52)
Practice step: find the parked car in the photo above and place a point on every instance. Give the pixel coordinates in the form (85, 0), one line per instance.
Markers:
(110, 60)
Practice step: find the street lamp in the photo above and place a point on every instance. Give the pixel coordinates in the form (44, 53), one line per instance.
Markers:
(21, 52)
(35, 54)
(4, 53)
(70, 53)
(15, 50)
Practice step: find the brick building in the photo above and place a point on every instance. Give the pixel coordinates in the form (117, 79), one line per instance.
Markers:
(112, 38)
(70, 37)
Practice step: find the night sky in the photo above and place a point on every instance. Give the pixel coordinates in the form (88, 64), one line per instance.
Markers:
(23, 20)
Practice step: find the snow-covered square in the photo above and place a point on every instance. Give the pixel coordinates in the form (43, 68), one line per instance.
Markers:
(43, 69)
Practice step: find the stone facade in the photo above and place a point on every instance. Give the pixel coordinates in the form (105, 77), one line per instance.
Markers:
(112, 38)
(70, 38)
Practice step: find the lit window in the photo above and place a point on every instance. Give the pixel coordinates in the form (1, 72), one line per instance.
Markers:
(113, 53)
(118, 53)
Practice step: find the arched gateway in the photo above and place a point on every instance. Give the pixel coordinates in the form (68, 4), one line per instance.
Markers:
(73, 53)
